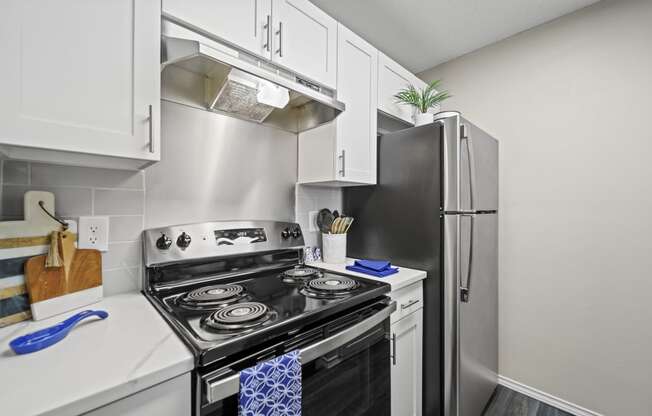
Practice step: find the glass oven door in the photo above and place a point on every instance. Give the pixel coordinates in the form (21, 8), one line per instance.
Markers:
(344, 373)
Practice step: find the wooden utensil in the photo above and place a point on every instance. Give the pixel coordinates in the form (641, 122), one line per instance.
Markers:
(335, 229)
(348, 224)
(80, 274)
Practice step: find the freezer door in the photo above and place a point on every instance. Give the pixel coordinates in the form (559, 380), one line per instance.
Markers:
(478, 169)
(477, 312)
(470, 165)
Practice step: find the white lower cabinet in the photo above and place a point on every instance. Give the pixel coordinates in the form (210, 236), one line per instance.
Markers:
(407, 350)
(170, 398)
(407, 339)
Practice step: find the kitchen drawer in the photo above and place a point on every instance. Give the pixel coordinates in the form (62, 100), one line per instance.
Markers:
(408, 300)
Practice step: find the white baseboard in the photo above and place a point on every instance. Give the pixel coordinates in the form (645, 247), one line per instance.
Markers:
(546, 398)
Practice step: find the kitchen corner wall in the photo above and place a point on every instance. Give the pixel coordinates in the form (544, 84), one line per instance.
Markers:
(311, 198)
(85, 191)
(570, 102)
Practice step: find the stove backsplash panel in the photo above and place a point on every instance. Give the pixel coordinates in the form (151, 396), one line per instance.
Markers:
(216, 167)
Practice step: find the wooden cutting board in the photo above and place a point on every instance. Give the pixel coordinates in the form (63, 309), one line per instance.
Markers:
(42, 283)
(81, 270)
(20, 240)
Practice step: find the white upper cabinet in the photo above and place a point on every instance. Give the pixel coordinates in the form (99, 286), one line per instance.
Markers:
(243, 23)
(305, 40)
(80, 77)
(392, 78)
(293, 34)
(356, 126)
(80, 81)
(343, 152)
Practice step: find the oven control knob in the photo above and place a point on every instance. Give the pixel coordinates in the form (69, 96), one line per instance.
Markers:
(296, 233)
(285, 234)
(164, 242)
(184, 240)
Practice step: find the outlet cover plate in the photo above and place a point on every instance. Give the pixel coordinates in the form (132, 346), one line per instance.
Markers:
(312, 221)
(93, 232)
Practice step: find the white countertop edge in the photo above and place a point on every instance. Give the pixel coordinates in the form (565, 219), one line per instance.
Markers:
(404, 277)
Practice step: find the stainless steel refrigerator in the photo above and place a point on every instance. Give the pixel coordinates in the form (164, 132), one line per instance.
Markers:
(435, 208)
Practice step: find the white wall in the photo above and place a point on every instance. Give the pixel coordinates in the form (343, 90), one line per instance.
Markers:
(571, 102)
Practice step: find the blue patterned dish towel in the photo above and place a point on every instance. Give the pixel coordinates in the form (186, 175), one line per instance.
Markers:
(272, 388)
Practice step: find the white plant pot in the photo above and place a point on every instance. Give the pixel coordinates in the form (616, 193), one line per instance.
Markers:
(423, 118)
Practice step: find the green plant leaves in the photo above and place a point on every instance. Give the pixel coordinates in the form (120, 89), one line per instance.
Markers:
(423, 99)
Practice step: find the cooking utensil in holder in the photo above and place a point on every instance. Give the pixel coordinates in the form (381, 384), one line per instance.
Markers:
(334, 248)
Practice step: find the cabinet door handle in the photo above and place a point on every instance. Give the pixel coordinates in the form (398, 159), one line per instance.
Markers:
(342, 157)
(151, 130)
(280, 39)
(410, 303)
(268, 33)
(393, 349)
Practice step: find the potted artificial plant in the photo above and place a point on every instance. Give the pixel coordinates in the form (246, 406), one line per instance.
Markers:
(422, 100)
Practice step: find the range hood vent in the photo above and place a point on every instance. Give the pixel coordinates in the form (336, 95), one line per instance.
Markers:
(204, 73)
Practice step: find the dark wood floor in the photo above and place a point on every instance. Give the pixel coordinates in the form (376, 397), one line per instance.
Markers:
(506, 402)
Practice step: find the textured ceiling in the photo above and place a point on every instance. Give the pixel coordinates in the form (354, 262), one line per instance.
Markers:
(420, 34)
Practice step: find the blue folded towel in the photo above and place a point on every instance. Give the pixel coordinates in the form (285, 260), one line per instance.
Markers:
(378, 268)
(272, 388)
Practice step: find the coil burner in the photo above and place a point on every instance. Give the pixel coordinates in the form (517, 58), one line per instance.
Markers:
(299, 274)
(329, 287)
(211, 297)
(238, 316)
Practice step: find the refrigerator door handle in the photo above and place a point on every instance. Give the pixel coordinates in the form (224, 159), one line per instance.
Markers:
(464, 135)
(465, 287)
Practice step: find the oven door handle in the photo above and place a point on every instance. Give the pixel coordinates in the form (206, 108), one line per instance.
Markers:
(218, 389)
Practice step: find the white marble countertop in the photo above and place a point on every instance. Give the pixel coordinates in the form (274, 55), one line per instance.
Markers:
(100, 361)
(403, 278)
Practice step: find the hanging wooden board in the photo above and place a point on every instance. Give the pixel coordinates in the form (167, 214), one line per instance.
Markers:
(20, 240)
(76, 283)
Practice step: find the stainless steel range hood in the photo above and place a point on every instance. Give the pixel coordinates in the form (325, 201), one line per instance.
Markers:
(202, 72)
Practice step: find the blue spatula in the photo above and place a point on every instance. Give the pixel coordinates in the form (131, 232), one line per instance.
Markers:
(46, 337)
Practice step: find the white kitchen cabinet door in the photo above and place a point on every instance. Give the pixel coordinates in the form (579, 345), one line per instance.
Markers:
(81, 76)
(356, 127)
(392, 78)
(170, 398)
(407, 338)
(243, 23)
(343, 153)
(305, 40)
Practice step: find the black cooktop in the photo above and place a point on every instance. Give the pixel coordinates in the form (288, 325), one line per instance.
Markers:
(228, 315)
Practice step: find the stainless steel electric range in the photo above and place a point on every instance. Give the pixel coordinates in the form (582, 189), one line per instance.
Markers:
(238, 294)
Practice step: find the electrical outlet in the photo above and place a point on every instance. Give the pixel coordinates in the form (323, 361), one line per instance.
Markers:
(93, 233)
(312, 221)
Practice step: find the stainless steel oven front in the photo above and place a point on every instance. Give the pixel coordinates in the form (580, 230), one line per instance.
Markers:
(345, 367)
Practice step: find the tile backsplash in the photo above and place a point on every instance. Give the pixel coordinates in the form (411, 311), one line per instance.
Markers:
(121, 196)
(87, 191)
